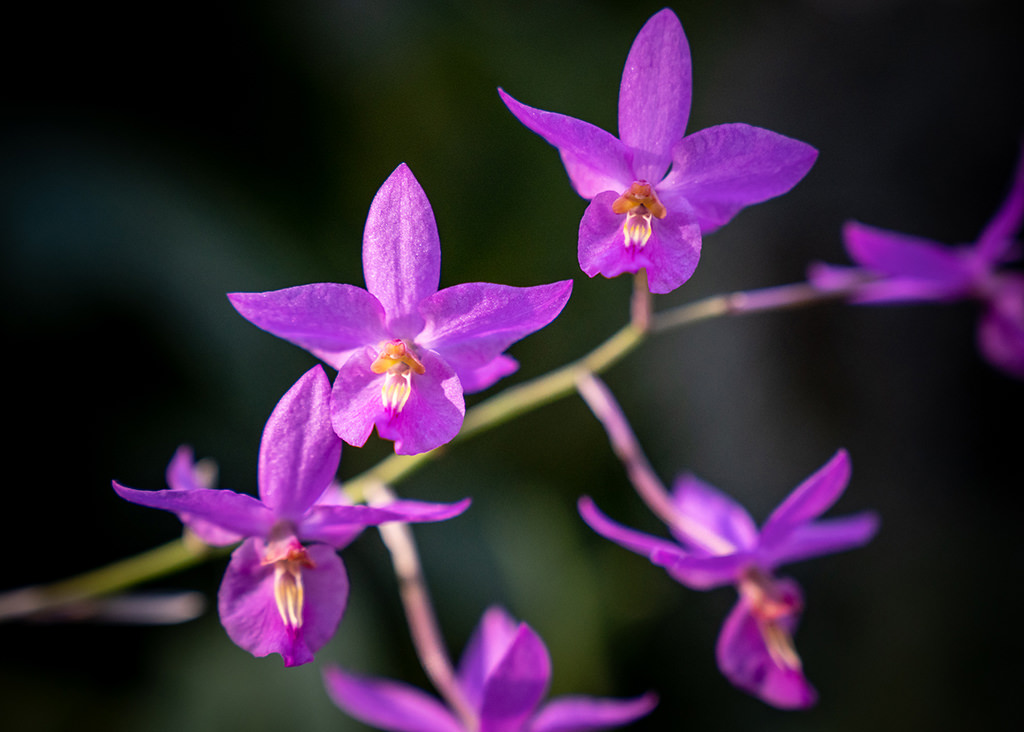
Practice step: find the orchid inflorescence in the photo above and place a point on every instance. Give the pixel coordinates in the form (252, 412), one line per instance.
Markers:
(405, 353)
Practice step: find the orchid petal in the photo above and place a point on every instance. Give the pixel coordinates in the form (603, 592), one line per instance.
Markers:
(334, 524)
(996, 239)
(595, 160)
(654, 96)
(587, 714)
(478, 379)
(356, 399)
(432, 416)
(299, 451)
(401, 251)
(249, 613)
(389, 705)
(1001, 330)
(472, 324)
(516, 684)
(810, 499)
(896, 254)
(700, 572)
(184, 475)
(636, 541)
(328, 320)
(486, 647)
(744, 660)
(825, 536)
(713, 520)
(722, 169)
(235, 512)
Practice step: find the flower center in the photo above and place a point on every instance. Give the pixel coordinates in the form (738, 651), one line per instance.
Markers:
(770, 604)
(397, 362)
(289, 558)
(640, 204)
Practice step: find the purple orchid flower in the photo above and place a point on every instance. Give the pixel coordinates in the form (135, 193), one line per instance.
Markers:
(405, 352)
(896, 267)
(717, 543)
(503, 674)
(652, 190)
(285, 588)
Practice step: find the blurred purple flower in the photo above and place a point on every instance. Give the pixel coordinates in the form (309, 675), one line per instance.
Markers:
(285, 588)
(405, 353)
(504, 675)
(717, 543)
(896, 267)
(653, 191)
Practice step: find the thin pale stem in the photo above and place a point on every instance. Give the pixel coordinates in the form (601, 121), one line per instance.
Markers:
(419, 611)
(641, 306)
(646, 482)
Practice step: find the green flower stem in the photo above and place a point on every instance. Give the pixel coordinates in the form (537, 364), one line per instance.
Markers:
(169, 558)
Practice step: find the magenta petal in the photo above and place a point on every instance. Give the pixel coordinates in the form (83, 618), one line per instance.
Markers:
(723, 169)
(602, 248)
(238, 513)
(433, 414)
(299, 452)
(479, 379)
(902, 255)
(490, 640)
(654, 97)
(249, 611)
(327, 319)
(673, 251)
(810, 499)
(401, 251)
(1001, 329)
(595, 160)
(713, 520)
(825, 536)
(185, 475)
(998, 236)
(700, 572)
(636, 541)
(389, 705)
(516, 684)
(334, 524)
(585, 713)
(744, 660)
(356, 399)
(472, 324)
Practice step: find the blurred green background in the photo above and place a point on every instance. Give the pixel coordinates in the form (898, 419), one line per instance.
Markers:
(156, 156)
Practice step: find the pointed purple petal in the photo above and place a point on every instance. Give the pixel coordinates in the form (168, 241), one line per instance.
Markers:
(235, 512)
(825, 536)
(472, 324)
(249, 611)
(1001, 329)
(998, 236)
(516, 684)
(185, 475)
(386, 704)
(723, 169)
(432, 416)
(586, 714)
(670, 256)
(636, 541)
(701, 572)
(594, 159)
(299, 452)
(326, 319)
(401, 251)
(490, 640)
(744, 660)
(714, 521)
(892, 253)
(809, 500)
(333, 524)
(479, 379)
(654, 97)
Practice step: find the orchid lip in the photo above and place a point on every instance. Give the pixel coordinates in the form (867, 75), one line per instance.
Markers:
(770, 605)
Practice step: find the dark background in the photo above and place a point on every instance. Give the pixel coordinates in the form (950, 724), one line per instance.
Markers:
(156, 156)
